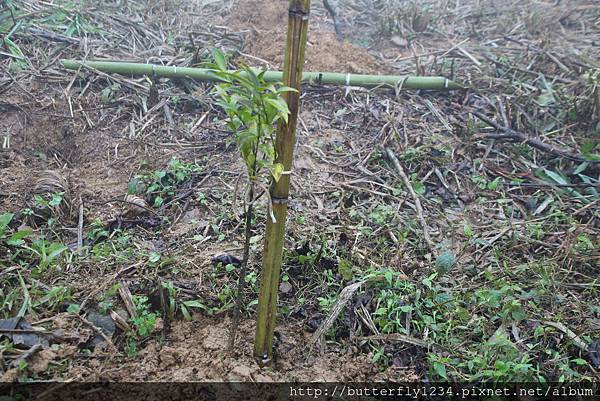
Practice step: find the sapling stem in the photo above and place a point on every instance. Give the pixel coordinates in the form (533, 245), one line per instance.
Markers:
(237, 309)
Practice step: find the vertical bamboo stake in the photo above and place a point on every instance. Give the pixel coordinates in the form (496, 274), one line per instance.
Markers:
(284, 144)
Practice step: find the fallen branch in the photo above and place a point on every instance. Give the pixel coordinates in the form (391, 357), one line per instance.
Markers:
(569, 333)
(509, 134)
(397, 337)
(339, 305)
(414, 195)
(127, 299)
(25, 356)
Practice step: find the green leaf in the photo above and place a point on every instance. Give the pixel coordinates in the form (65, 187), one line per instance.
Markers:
(40, 201)
(281, 107)
(558, 178)
(55, 249)
(389, 277)
(5, 220)
(195, 304)
(12, 47)
(17, 238)
(219, 58)
(282, 89)
(185, 313)
(493, 185)
(56, 199)
(132, 186)
(345, 269)
(253, 77)
(445, 261)
(26, 297)
(154, 257)
(277, 171)
(588, 146)
(581, 168)
(105, 95)
(419, 187)
(73, 308)
(467, 230)
(440, 369)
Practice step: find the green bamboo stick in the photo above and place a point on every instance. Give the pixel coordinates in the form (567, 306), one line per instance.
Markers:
(332, 78)
(284, 144)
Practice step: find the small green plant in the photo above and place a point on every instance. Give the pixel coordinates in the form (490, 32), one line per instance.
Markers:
(161, 185)
(109, 92)
(10, 300)
(9, 238)
(69, 21)
(106, 304)
(97, 231)
(407, 18)
(145, 322)
(253, 108)
(172, 293)
(54, 298)
(325, 303)
(483, 183)
(382, 214)
(21, 62)
(46, 253)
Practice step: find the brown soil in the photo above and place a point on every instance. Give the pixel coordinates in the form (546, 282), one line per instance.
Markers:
(325, 52)
(48, 139)
(197, 351)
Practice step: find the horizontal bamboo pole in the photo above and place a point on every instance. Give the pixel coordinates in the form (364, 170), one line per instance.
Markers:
(333, 78)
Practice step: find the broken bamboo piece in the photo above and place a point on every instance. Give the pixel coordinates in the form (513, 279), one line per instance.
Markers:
(331, 78)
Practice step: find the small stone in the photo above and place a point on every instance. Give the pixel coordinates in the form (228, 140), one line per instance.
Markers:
(135, 205)
(242, 371)
(262, 378)
(168, 356)
(159, 325)
(104, 323)
(285, 287)
(399, 41)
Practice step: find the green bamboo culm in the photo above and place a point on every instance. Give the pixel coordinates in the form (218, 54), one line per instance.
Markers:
(331, 78)
(284, 145)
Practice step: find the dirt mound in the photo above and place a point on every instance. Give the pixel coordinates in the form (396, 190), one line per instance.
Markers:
(267, 21)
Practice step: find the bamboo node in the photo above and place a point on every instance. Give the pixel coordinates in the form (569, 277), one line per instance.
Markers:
(281, 201)
(297, 11)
